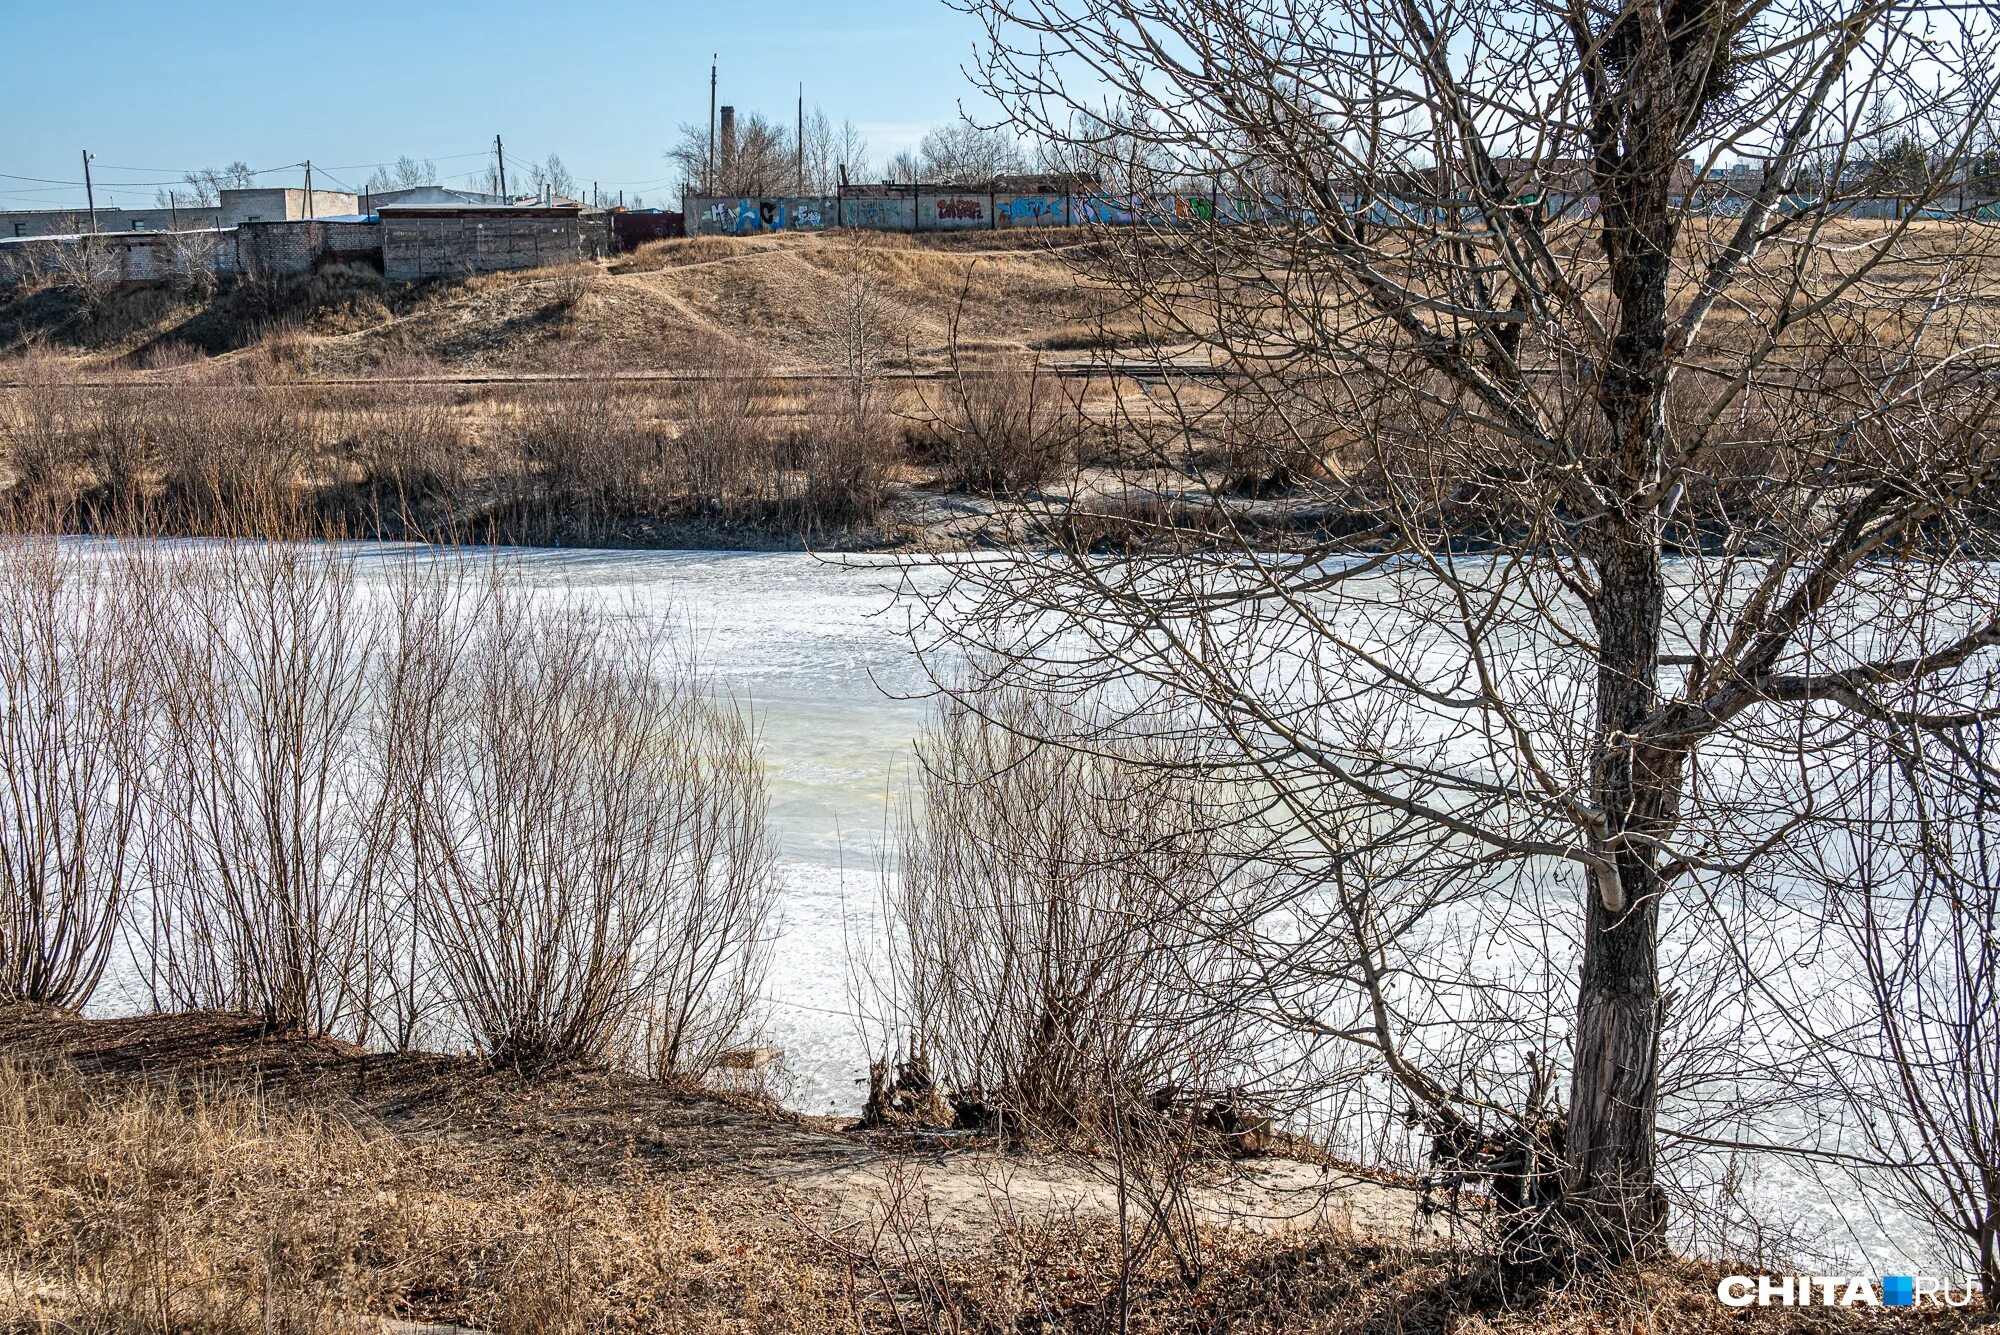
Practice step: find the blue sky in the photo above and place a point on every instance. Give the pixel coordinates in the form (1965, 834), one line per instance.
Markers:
(154, 89)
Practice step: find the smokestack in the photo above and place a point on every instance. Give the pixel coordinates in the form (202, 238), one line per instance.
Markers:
(728, 146)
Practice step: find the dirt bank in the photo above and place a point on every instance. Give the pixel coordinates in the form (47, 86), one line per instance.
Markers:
(187, 1173)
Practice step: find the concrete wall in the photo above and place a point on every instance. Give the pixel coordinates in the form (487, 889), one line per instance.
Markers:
(709, 215)
(406, 248)
(927, 210)
(265, 250)
(284, 205)
(880, 213)
(119, 257)
(932, 210)
(237, 206)
(416, 246)
(69, 222)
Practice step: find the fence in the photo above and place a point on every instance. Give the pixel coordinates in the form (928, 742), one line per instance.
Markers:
(944, 209)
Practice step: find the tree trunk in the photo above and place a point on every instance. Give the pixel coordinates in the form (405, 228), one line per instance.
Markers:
(1614, 1206)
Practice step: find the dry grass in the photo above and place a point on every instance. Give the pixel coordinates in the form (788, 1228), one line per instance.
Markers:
(137, 1207)
(591, 459)
(196, 1186)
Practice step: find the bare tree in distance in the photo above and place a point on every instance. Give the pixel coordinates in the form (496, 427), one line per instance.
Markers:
(552, 175)
(762, 159)
(962, 151)
(829, 149)
(205, 187)
(1630, 492)
(407, 172)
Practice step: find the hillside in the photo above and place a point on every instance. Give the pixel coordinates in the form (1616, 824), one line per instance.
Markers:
(792, 301)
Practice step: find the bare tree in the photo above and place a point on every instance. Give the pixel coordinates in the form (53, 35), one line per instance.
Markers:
(1618, 501)
(964, 152)
(553, 176)
(1907, 869)
(407, 172)
(828, 149)
(205, 187)
(761, 158)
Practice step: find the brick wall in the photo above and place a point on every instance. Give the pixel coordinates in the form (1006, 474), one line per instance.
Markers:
(267, 249)
(406, 248)
(417, 247)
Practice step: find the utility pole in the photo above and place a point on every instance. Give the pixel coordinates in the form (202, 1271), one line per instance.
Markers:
(309, 188)
(708, 175)
(89, 195)
(802, 138)
(500, 152)
(173, 210)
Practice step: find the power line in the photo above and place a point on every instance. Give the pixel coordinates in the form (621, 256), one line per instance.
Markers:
(195, 171)
(137, 185)
(424, 157)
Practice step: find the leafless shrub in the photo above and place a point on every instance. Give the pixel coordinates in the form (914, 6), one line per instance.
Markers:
(265, 852)
(413, 451)
(1042, 894)
(597, 877)
(74, 689)
(1268, 447)
(195, 256)
(1004, 428)
(46, 449)
(123, 453)
(227, 459)
(725, 453)
(86, 268)
(583, 445)
(850, 443)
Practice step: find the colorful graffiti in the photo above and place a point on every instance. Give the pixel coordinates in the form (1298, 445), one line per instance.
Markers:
(905, 210)
(744, 217)
(1032, 210)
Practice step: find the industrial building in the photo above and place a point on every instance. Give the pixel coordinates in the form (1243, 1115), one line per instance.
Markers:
(232, 208)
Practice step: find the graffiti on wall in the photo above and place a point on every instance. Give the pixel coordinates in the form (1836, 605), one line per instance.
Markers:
(1032, 210)
(744, 217)
(875, 211)
(961, 210)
